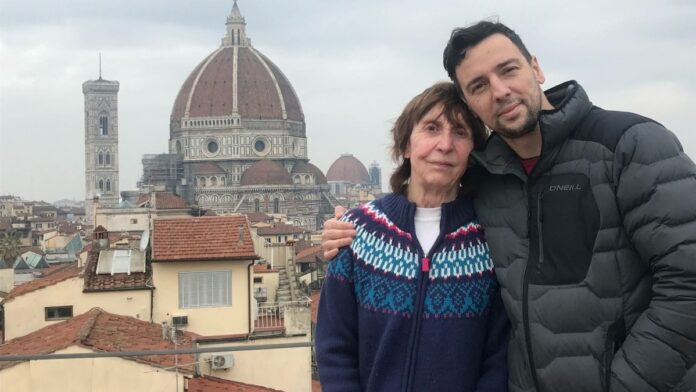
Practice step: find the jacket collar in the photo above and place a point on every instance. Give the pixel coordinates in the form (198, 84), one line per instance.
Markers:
(570, 103)
(402, 212)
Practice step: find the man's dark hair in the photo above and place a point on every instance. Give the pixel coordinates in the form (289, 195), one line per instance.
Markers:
(463, 38)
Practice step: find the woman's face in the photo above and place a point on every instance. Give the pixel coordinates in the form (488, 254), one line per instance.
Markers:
(439, 152)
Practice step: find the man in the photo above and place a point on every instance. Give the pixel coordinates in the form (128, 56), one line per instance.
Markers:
(591, 219)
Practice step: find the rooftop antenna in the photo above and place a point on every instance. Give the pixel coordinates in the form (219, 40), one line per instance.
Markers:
(100, 66)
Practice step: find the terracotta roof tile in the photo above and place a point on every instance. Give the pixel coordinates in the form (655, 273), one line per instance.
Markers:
(263, 269)
(98, 330)
(203, 238)
(108, 282)
(52, 275)
(214, 384)
(314, 304)
(163, 201)
(310, 255)
(316, 386)
(256, 217)
(301, 245)
(280, 228)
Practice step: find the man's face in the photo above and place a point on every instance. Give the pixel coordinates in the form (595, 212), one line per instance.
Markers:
(501, 86)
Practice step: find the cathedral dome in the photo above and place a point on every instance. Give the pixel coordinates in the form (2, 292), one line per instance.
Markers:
(348, 168)
(266, 172)
(307, 168)
(235, 81)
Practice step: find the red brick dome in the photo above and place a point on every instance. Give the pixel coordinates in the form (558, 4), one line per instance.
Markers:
(349, 169)
(236, 80)
(308, 168)
(266, 172)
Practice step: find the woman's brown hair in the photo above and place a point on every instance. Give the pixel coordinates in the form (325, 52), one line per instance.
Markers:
(454, 109)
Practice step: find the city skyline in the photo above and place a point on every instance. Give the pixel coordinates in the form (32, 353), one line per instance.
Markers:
(353, 68)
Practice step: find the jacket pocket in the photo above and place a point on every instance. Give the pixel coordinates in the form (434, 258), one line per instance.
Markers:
(614, 340)
(568, 223)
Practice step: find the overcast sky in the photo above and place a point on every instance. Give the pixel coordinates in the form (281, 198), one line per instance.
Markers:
(354, 65)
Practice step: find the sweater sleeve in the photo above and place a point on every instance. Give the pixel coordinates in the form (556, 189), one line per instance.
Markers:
(337, 328)
(494, 370)
(656, 193)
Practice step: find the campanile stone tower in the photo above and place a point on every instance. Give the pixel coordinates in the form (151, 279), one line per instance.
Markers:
(101, 143)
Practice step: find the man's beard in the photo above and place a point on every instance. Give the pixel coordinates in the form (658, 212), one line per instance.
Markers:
(529, 125)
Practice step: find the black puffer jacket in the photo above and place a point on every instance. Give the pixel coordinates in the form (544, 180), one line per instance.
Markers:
(595, 251)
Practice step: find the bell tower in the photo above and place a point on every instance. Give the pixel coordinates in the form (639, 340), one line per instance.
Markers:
(101, 143)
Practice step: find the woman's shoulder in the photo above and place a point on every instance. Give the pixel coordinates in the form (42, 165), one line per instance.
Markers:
(376, 215)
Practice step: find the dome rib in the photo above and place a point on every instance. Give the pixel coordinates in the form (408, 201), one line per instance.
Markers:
(195, 82)
(275, 82)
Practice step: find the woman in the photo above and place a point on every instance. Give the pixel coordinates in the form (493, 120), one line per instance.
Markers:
(413, 304)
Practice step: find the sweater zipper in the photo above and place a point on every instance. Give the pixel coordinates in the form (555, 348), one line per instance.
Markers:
(423, 279)
(527, 270)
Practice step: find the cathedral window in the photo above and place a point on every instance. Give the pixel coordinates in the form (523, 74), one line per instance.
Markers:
(257, 205)
(101, 185)
(100, 159)
(108, 185)
(213, 181)
(103, 125)
(276, 206)
(213, 147)
(259, 145)
(108, 159)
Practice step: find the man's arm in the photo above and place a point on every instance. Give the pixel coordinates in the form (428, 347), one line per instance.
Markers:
(336, 234)
(656, 193)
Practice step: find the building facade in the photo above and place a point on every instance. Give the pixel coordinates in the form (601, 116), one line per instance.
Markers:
(238, 126)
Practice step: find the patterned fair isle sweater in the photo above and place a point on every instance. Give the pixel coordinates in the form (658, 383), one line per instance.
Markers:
(393, 319)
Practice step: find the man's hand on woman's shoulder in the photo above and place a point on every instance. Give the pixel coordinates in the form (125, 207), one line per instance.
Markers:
(336, 234)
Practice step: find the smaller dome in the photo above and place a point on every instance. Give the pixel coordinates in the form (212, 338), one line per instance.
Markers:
(348, 168)
(308, 168)
(266, 172)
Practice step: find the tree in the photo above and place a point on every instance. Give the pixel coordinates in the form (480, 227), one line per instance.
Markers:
(9, 247)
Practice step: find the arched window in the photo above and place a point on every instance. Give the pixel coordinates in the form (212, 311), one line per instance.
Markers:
(276, 206)
(103, 125)
(108, 158)
(213, 181)
(101, 185)
(100, 160)
(257, 205)
(108, 185)
(222, 181)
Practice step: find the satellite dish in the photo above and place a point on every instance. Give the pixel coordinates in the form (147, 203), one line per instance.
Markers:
(144, 240)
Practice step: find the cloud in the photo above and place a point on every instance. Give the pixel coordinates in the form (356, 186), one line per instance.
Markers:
(353, 64)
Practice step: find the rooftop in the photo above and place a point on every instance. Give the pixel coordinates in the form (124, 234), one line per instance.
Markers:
(108, 282)
(203, 238)
(280, 228)
(50, 277)
(163, 201)
(310, 255)
(98, 330)
(214, 384)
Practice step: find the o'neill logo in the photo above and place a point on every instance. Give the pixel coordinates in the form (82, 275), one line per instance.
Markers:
(565, 188)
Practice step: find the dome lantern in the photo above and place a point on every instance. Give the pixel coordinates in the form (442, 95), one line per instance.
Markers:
(236, 29)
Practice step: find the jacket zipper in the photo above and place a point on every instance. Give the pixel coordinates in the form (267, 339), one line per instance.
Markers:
(423, 279)
(525, 283)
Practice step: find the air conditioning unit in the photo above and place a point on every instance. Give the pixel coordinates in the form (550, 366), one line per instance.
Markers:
(221, 361)
(179, 321)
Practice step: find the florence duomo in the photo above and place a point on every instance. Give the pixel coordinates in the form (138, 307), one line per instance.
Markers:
(237, 139)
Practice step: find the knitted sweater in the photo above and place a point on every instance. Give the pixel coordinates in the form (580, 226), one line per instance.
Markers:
(393, 319)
